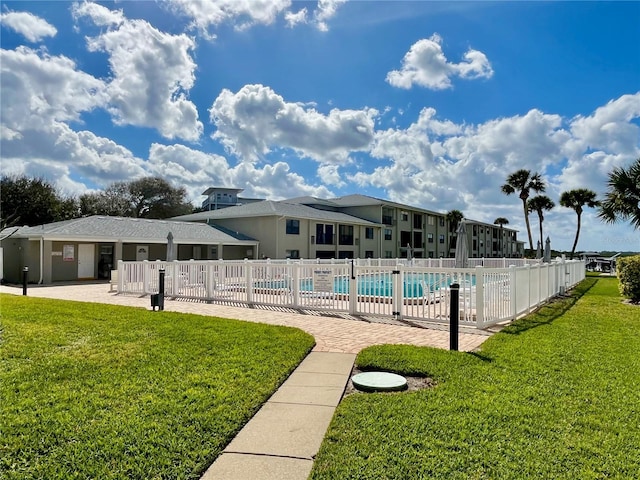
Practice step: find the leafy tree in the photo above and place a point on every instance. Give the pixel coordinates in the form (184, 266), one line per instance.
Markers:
(524, 182)
(113, 201)
(149, 197)
(576, 199)
(622, 200)
(32, 201)
(454, 217)
(502, 221)
(540, 204)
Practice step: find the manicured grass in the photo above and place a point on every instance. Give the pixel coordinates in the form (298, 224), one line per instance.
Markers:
(106, 392)
(555, 395)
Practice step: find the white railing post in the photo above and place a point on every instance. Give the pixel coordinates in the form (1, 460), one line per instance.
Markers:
(529, 287)
(248, 280)
(210, 275)
(513, 297)
(121, 275)
(353, 291)
(479, 296)
(146, 276)
(397, 294)
(295, 287)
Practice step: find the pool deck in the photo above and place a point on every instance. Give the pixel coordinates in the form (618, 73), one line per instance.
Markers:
(282, 439)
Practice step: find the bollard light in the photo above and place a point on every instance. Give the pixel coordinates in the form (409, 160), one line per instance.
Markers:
(25, 275)
(454, 315)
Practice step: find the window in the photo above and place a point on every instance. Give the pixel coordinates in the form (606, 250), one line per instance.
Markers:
(441, 238)
(417, 221)
(345, 254)
(441, 220)
(431, 220)
(345, 233)
(324, 234)
(368, 254)
(387, 215)
(475, 244)
(404, 216)
(368, 233)
(293, 227)
(388, 254)
(292, 253)
(388, 235)
(431, 254)
(430, 237)
(405, 237)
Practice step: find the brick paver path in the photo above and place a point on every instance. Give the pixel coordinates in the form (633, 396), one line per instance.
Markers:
(331, 334)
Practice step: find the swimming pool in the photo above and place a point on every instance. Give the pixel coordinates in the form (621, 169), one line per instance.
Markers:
(379, 285)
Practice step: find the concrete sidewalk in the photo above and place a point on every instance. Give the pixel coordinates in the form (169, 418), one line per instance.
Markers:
(282, 439)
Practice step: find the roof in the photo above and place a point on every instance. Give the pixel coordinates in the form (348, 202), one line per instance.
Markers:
(211, 190)
(270, 208)
(358, 200)
(105, 228)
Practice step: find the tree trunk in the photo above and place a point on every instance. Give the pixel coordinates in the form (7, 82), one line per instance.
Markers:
(575, 242)
(526, 220)
(541, 237)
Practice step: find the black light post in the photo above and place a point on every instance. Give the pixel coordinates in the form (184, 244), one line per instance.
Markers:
(161, 289)
(454, 314)
(25, 274)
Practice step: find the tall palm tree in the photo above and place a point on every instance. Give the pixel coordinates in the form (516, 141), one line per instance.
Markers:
(622, 200)
(502, 222)
(454, 217)
(540, 204)
(576, 199)
(524, 182)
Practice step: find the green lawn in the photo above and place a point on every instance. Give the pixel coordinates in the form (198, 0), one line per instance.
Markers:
(554, 396)
(106, 392)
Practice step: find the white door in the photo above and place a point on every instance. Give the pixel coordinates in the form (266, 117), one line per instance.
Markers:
(86, 260)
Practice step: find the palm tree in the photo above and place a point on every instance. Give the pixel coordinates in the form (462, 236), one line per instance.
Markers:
(502, 222)
(454, 217)
(540, 204)
(576, 199)
(622, 200)
(523, 181)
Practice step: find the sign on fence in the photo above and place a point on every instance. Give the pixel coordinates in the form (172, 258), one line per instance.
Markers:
(323, 280)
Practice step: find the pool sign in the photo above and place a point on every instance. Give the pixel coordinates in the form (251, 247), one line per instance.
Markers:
(323, 280)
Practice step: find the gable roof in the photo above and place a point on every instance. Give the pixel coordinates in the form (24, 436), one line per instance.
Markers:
(270, 208)
(109, 229)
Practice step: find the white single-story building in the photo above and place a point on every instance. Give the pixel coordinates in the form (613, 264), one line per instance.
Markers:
(89, 247)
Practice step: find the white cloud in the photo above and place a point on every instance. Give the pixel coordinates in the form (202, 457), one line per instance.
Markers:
(152, 74)
(255, 120)
(293, 19)
(244, 13)
(325, 11)
(426, 65)
(60, 153)
(330, 175)
(198, 171)
(31, 27)
(101, 16)
(38, 88)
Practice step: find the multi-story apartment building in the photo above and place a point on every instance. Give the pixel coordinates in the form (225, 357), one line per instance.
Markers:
(354, 226)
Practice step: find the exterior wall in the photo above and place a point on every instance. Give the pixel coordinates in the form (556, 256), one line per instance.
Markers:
(67, 270)
(14, 259)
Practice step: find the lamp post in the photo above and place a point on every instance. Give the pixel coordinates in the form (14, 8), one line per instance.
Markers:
(25, 275)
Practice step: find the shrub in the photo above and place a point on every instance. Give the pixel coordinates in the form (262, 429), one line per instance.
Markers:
(629, 275)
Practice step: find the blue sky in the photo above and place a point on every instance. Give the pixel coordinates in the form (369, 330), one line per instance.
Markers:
(431, 104)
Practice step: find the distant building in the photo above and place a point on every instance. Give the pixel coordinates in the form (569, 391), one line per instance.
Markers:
(354, 226)
(218, 197)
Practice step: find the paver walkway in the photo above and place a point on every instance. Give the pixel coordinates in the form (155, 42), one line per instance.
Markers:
(282, 439)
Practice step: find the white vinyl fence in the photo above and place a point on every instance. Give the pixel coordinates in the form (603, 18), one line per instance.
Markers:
(410, 290)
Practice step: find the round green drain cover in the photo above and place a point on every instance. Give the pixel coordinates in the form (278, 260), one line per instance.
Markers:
(379, 382)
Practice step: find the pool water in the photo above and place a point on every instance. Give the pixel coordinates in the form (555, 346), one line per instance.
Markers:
(381, 285)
